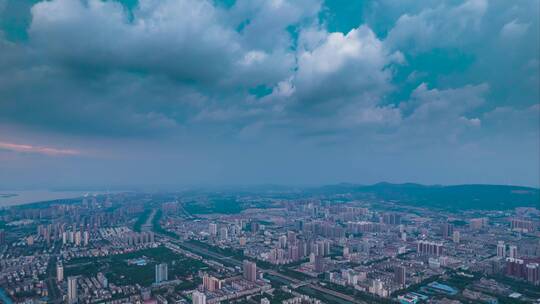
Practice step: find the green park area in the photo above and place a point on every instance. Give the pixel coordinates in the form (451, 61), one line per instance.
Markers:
(135, 267)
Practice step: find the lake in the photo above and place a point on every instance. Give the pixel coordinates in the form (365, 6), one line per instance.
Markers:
(13, 198)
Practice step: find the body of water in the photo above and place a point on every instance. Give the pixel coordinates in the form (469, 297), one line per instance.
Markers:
(4, 298)
(13, 198)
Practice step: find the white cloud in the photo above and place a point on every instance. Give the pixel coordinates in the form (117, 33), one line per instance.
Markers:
(326, 81)
(436, 27)
(185, 69)
(384, 116)
(434, 105)
(265, 22)
(473, 122)
(514, 29)
(352, 66)
(438, 117)
(253, 57)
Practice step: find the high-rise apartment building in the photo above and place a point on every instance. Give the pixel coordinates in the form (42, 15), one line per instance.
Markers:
(447, 230)
(2, 236)
(319, 263)
(512, 251)
(250, 271)
(161, 273)
(501, 249)
(400, 275)
(211, 283)
(198, 298)
(59, 272)
(391, 218)
(72, 290)
(456, 237)
(212, 229)
(430, 248)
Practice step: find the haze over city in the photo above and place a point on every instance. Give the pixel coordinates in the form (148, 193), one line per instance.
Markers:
(137, 93)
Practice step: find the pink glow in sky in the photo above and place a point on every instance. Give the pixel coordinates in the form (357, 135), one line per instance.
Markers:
(37, 149)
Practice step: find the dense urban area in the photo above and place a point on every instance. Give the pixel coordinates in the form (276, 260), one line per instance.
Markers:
(270, 246)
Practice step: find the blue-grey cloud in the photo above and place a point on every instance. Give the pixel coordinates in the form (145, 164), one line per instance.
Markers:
(293, 82)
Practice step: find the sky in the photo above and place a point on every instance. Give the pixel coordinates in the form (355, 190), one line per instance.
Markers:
(116, 93)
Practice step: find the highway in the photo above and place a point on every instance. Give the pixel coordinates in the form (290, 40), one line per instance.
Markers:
(205, 252)
(317, 287)
(232, 261)
(336, 294)
(55, 296)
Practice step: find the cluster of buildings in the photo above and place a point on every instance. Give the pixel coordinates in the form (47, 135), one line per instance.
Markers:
(217, 290)
(375, 249)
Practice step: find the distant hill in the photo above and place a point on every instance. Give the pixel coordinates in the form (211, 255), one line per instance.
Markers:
(491, 197)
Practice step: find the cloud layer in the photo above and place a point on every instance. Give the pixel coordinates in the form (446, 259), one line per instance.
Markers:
(401, 81)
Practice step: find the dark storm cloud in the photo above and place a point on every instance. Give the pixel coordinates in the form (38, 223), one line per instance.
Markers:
(292, 82)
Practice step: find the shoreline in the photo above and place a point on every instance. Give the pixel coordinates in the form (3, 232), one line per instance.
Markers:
(18, 198)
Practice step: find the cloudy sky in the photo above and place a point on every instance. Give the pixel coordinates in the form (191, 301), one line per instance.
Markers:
(195, 92)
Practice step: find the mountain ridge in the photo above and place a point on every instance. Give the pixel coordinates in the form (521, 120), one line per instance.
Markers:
(465, 196)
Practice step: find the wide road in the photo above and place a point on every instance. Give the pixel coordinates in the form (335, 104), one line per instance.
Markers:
(336, 294)
(55, 296)
(147, 226)
(224, 259)
(205, 252)
(315, 286)
(54, 293)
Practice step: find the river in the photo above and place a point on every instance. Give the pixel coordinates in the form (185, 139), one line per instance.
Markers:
(4, 298)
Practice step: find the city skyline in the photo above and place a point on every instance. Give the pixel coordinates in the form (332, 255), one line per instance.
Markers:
(332, 245)
(113, 93)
